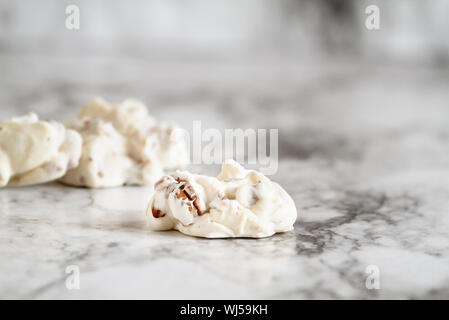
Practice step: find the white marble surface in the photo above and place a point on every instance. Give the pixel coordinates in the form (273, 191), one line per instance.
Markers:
(364, 152)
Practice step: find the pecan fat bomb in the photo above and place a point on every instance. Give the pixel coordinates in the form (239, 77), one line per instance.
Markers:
(33, 151)
(237, 203)
(123, 145)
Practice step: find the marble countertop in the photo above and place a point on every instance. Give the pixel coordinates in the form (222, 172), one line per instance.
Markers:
(364, 152)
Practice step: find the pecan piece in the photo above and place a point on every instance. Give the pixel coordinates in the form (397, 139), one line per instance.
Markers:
(157, 213)
(186, 192)
(159, 182)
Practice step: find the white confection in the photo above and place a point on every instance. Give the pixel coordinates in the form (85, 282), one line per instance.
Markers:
(238, 203)
(123, 145)
(33, 151)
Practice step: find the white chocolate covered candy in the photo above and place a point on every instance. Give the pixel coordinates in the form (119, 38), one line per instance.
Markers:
(33, 151)
(122, 144)
(238, 203)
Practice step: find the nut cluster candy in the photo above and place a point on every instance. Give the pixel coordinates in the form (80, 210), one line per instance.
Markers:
(33, 151)
(238, 203)
(124, 145)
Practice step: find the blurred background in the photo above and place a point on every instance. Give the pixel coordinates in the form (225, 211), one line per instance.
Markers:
(312, 69)
(198, 29)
